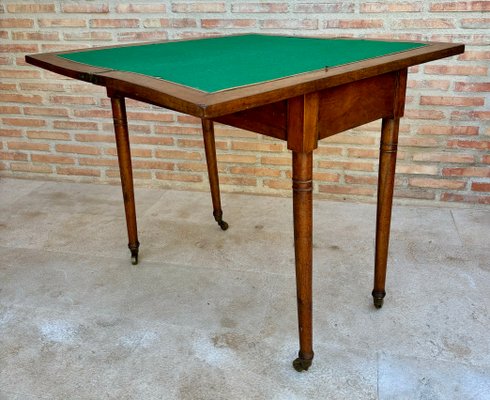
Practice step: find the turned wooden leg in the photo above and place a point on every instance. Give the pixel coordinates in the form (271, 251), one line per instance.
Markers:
(210, 149)
(386, 180)
(126, 172)
(303, 221)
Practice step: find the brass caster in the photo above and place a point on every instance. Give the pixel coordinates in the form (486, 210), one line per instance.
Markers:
(378, 303)
(134, 259)
(378, 298)
(301, 365)
(223, 225)
(134, 254)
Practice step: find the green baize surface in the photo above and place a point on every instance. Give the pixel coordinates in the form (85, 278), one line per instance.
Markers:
(215, 64)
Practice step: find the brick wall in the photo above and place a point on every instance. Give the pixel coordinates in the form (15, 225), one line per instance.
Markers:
(57, 128)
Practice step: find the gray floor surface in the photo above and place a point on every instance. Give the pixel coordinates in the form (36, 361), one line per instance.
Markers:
(209, 314)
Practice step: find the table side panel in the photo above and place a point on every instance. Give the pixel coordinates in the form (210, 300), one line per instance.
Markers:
(269, 120)
(356, 103)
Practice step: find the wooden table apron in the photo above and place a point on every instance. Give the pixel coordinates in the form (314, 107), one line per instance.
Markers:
(299, 114)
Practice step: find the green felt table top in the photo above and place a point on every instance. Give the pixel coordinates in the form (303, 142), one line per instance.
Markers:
(215, 64)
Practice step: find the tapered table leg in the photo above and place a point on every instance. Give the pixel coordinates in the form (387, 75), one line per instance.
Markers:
(386, 180)
(303, 225)
(210, 149)
(126, 172)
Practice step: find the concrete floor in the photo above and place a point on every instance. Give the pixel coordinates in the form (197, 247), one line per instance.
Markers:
(209, 314)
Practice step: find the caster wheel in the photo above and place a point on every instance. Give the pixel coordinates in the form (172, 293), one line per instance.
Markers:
(301, 365)
(134, 257)
(378, 303)
(223, 225)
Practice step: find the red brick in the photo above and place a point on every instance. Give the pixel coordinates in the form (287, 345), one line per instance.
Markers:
(418, 142)
(482, 172)
(178, 177)
(199, 7)
(13, 156)
(276, 160)
(351, 190)
(255, 171)
(281, 184)
(77, 171)
(455, 70)
(178, 154)
(469, 144)
(41, 86)
(361, 179)
(323, 177)
(324, 150)
(452, 101)
(49, 135)
(461, 6)
(135, 152)
(147, 164)
(114, 23)
(97, 138)
(91, 36)
(475, 23)
(474, 55)
(444, 157)
(19, 74)
(324, 8)
(448, 130)
(85, 8)
(227, 23)
(170, 23)
(16, 23)
(416, 169)
(424, 114)
(480, 187)
(472, 87)
(141, 36)
(429, 84)
(461, 198)
(437, 183)
(255, 146)
(79, 125)
(259, 7)
(18, 48)
(28, 146)
(22, 167)
(306, 24)
(236, 159)
(10, 132)
(23, 122)
(52, 159)
(349, 165)
(377, 7)
(354, 23)
(470, 115)
(238, 181)
(147, 116)
(77, 149)
(35, 36)
(152, 140)
(30, 8)
(4, 110)
(426, 23)
(98, 162)
(73, 99)
(63, 22)
(140, 8)
(414, 193)
(58, 112)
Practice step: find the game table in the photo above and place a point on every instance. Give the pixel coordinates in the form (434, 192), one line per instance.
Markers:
(295, 89)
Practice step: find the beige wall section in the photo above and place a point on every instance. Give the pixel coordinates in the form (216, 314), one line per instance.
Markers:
(60, 129)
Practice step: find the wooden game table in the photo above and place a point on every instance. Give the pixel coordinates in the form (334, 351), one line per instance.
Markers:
(295, 89)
